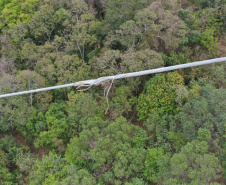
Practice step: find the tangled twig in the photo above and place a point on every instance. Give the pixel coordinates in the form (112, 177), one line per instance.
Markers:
(88, 87)
(106, 95)
(106, 90)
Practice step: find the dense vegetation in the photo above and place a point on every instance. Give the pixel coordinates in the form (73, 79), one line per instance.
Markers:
(158, 129)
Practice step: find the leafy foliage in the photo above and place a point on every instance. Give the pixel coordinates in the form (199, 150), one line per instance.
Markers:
(151, 164)
(190, 165)
(103, 148)
(159, 95)
(18, 11)
(154, 129)
(207, 111)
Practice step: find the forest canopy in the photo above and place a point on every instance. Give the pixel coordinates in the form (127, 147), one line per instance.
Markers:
(164, 129)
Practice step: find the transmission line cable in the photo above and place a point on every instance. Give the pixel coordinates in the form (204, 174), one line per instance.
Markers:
(90, 83)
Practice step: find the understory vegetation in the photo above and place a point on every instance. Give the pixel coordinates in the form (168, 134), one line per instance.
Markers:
(166, 129)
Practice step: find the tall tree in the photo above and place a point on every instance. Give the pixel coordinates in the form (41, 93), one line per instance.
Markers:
(159, 95)
(111, 151)
(14, 111)
(18, 11)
